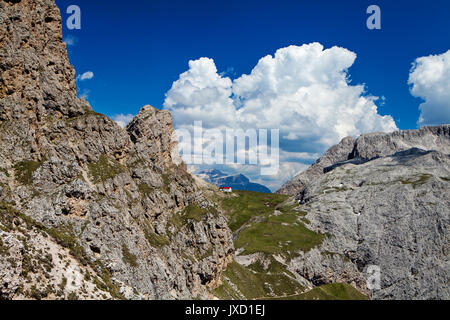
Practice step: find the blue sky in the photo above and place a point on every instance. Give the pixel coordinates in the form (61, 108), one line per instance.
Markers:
(136, 50)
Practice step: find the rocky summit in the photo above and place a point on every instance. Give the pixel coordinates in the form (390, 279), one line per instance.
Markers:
(88, 209)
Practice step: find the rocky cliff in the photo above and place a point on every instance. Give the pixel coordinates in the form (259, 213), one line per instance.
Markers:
(88, 209)
(381, 200)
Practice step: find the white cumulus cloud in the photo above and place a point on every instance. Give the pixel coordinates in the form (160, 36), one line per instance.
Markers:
(86, 76)
(201, 94)
(303, 91)
(122, 119)
(430, 80)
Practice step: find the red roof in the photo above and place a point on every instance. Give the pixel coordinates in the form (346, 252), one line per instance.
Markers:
(226, 188)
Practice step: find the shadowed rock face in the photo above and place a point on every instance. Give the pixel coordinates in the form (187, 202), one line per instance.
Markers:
(104, 206)
(36, 75)
(383, 201)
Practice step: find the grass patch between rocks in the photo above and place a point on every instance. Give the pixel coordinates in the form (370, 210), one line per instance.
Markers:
(145, 189)
(105, 169)
(128, 257)
(333, 291)
(193, 212)
(417, 181)
(255, 285)
(282, 234)
(24, 170)
(241, 206)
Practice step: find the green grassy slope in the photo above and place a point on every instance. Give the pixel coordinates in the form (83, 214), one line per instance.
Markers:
(242, 206)
(243, 283)
(333, 291)
(271, 225)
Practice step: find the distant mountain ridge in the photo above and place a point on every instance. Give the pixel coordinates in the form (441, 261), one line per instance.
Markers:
(237, 182)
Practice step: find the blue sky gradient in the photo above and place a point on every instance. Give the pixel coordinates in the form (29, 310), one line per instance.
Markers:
(137, 49)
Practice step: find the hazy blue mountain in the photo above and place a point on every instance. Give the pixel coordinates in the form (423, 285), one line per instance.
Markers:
(237, 182)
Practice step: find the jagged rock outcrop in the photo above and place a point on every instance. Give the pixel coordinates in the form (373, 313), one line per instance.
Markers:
(382, 200)
(108, 208)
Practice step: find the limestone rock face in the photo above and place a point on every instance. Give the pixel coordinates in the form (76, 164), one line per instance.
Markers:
(382, 200)
(110, 205)
(37, 78)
